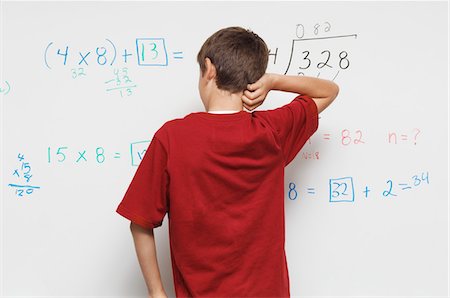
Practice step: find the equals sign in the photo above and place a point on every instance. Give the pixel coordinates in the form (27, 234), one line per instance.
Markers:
(117, 155)
(404, 185)
(326, 136)
(404, 137)
(311, 190)
(177, 55)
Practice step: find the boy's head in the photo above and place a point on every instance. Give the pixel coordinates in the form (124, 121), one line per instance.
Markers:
(238, 56)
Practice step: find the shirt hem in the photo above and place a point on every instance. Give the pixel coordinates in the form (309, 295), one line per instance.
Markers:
(136, 218)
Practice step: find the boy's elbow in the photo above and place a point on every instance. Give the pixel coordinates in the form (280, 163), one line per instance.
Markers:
(323, 102)
(335, 91)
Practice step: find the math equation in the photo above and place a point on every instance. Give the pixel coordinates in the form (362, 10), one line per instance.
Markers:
(314, 51)
(146, 52)
(23, 176)
(342, 189)
(151, 51)
(64, 154)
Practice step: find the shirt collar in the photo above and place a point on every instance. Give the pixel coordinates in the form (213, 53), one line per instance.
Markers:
(223, 111)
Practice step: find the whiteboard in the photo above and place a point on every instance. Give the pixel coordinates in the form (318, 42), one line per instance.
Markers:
(83, 92)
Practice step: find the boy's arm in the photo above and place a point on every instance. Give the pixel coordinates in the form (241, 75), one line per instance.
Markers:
(144, 242)
(322, 91)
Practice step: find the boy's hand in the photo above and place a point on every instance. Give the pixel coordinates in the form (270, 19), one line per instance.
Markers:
(256, 93)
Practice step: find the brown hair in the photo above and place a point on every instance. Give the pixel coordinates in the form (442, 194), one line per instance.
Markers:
(239, 55)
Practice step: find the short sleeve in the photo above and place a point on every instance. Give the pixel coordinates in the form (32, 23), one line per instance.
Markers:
(146, 200)
(294, 123)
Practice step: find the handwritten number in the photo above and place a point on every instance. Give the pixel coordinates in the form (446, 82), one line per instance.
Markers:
(306, 58)
(359, 139)
(336, 192)
(322, 64)
(102, 55)
(300, 31)
(344, 63)
(316, 29)
(292, 191)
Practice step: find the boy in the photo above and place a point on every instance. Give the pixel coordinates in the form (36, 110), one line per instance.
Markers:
(219, 175)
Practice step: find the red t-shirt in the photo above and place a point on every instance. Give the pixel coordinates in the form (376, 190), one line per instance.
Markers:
(220, 178)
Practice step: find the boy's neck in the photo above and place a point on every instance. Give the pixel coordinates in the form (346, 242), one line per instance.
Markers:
(225, 101)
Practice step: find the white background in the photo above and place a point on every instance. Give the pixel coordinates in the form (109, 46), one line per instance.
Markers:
(65, 238)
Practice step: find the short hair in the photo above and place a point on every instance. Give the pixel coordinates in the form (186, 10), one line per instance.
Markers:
(239, 55)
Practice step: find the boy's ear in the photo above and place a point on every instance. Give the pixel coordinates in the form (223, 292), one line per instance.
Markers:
(210, 69)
